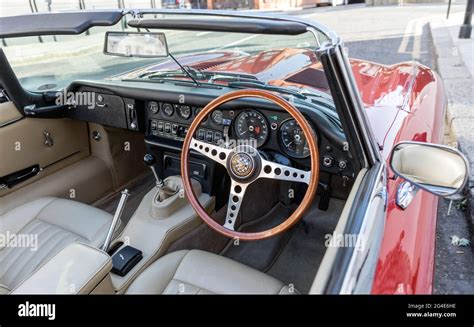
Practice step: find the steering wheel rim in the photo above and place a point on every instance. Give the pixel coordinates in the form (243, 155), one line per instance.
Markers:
(311, 177)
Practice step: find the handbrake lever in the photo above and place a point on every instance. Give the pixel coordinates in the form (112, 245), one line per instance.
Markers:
(117, 216)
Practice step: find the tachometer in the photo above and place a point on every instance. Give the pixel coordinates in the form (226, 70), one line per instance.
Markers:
(293, 140)
(251, 125)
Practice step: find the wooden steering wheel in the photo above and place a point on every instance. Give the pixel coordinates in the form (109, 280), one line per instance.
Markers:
(245, 165)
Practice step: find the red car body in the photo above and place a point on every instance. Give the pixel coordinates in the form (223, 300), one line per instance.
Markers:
(399, 100)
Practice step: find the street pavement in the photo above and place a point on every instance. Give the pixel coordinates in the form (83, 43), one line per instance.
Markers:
(455, 62)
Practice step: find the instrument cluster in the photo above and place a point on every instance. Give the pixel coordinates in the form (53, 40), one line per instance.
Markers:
(268, 130)
(247, 124)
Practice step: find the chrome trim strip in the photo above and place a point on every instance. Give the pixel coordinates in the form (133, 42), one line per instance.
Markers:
(359, 255)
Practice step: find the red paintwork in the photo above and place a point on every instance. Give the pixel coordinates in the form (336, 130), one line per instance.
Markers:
(406, 259)
(403, 102)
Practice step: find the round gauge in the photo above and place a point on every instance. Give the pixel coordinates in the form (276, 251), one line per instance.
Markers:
(168, 109)
(217, 116)
(197, 111)
(153, 107)
(184, 112)
(251, 125)
(293, 140)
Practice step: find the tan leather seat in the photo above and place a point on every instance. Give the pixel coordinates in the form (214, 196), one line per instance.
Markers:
(199, 272)
(55, 223)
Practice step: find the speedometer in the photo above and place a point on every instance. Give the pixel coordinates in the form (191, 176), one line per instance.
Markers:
(251, 125)
(293, 140)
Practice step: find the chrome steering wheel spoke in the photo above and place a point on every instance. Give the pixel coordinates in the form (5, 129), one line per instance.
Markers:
(278, 171)
(217, 153)
(237, 191)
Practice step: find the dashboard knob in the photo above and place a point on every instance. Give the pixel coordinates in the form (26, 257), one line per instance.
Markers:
(328, 161)
(149, 159)
(342, 164)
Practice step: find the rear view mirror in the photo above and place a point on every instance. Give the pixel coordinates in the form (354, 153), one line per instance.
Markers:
(438, 169)
(136, 44)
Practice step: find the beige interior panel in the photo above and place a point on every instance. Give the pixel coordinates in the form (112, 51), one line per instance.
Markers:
(9, 113)
(22, 144)
(122, 150)
(87, 180)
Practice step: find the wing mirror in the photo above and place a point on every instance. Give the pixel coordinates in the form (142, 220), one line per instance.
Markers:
(435, 168)
(136, 44)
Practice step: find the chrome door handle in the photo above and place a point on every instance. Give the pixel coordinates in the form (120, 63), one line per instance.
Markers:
(406, 192)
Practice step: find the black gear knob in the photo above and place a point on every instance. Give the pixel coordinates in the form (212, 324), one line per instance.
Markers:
(149, 159)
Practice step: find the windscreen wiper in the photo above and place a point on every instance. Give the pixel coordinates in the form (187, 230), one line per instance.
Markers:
(176, 73)
(164, 74)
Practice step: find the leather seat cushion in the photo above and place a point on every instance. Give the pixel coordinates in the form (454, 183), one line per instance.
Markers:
(199, 272)
(56, 223)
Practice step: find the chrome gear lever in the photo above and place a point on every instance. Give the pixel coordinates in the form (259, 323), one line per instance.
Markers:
(150, 161)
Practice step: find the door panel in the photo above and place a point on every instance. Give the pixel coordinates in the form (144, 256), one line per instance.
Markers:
(8, 113)
(23, 143)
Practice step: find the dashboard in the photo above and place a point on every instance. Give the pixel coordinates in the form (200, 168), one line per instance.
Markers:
(164, 112)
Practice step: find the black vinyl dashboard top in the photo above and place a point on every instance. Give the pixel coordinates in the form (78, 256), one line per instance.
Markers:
(201, 96)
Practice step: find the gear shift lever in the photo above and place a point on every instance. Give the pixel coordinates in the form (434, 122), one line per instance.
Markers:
(150, 160)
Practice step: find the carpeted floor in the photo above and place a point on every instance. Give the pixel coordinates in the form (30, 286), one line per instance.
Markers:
(292, 257)
(300, 259)
(260, 254)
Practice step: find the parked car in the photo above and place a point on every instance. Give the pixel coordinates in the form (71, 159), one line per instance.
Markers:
(272, 162)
